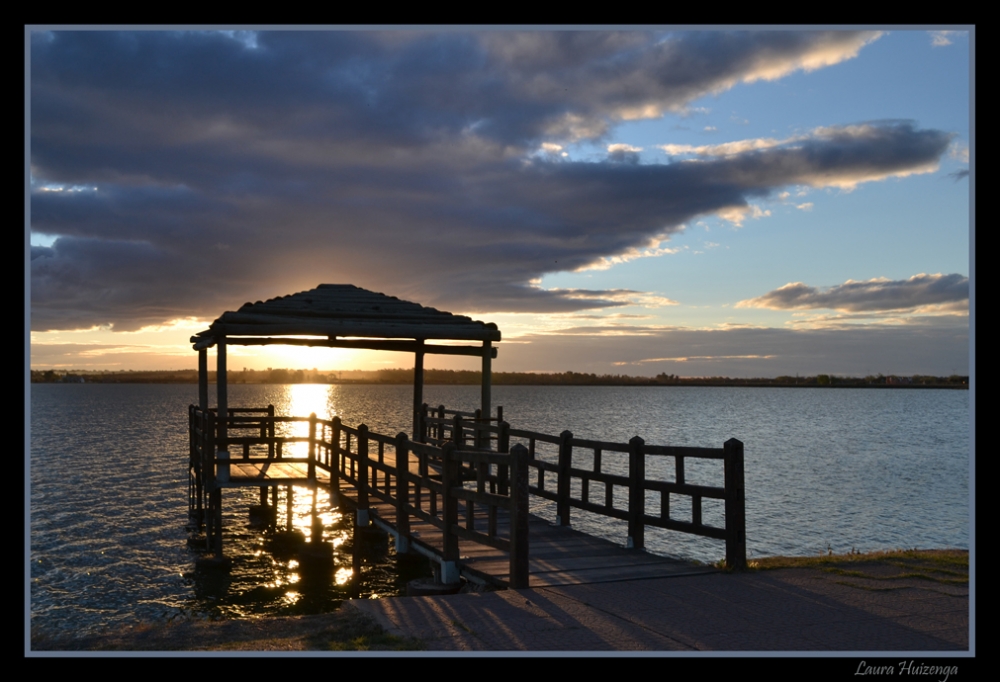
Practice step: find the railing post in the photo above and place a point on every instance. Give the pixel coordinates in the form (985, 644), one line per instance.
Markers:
(449, 506)
(362, 482)
(402, 493)
(270, 431)
(503, 445)
(440, 428)
(422, 431)
(312, 447)
(562, 482)
(736, 521)
(477, 434)
(636, 493)
(208, 451)
(457, 436)
(335, 461)
(192, 445)
(519, 517)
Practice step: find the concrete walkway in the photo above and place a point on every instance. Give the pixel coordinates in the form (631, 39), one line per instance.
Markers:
(791, 609)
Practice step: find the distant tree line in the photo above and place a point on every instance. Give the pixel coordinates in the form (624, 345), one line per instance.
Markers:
(470, 377)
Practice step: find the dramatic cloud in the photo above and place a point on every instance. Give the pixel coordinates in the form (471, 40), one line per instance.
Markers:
(946, 293)
(204, 169)
(831, 156)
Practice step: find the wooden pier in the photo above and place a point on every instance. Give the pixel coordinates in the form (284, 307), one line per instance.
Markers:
(460, 495)
(459, 490)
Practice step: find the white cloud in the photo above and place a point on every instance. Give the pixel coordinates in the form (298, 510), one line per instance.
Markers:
(832, 52)
(620, 147)
(923, 293)
(943, 38)
(737, 214)
(724, 149)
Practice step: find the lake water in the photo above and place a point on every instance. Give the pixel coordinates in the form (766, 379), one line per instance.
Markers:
(826, 470)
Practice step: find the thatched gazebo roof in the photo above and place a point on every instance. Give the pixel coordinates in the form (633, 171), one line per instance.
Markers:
(344, 310)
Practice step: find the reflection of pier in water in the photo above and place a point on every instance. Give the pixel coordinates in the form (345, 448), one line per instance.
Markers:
(462, 498)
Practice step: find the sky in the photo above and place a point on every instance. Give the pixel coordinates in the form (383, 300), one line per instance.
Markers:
(700, 203)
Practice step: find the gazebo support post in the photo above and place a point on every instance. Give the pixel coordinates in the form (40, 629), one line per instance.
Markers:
(221, 440)
(203, 379)
(223, 399)
(418, 387)
(487, 379)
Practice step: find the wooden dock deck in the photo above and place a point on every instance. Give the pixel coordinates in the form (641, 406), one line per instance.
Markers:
(558, 555)
(462, 498)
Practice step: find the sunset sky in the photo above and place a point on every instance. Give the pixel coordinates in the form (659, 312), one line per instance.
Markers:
(741, 203)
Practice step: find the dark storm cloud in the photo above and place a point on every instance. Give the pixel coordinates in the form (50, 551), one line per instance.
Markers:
(951, 291)
(41, 252)
(197, 172)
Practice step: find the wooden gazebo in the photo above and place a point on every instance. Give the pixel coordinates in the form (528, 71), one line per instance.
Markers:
(331, 316)
(345, 316)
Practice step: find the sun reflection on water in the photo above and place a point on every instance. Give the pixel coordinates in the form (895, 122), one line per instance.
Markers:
(343, 576)
(303, 400)
(267, 575)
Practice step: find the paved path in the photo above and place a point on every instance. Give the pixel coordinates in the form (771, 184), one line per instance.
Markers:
(793, 609)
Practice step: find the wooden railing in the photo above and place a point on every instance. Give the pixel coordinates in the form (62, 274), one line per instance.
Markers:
(573, 484)
(465, 463)
(437, 426)
(438, 491)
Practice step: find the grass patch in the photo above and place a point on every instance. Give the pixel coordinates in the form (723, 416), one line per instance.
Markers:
(907, 558)
(943, 566)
